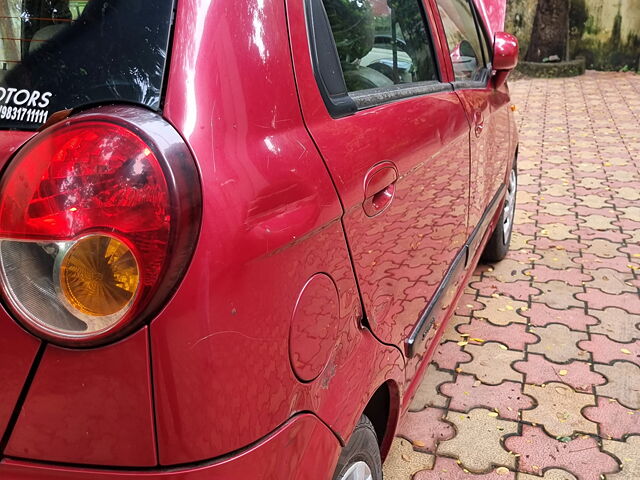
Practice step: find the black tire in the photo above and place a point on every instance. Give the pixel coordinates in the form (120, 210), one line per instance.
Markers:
(362, 447)
(498, 245)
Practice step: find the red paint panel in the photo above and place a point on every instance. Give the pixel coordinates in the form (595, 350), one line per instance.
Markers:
(303, 449)
(89, 406)
(17, 352)
(492, 149)
(314, 327)
(493, 13)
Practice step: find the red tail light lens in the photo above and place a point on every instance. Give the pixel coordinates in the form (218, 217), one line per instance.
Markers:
(95, 225)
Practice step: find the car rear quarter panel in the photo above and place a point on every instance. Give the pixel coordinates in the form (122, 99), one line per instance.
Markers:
(17, 353)
(271, 220)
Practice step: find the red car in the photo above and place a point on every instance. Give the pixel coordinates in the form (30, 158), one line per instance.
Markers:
(232, 232)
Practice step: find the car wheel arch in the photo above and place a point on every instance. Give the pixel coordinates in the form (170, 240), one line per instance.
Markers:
(383, 410)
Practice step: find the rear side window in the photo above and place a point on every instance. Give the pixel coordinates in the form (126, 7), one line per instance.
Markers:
(463, 39)
(61, 54)
(381, 43)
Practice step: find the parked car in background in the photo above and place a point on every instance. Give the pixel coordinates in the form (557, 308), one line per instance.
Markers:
(232, 232)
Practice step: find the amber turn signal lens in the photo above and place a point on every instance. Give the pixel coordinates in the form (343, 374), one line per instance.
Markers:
(99, 276)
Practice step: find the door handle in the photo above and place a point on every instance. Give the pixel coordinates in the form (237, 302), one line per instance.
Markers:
(379, 188)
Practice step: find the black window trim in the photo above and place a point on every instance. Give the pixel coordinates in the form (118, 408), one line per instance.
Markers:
(488, 69)
(482, 34)
(330, 78)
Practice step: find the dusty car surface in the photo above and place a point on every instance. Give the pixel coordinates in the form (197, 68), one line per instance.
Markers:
(231, 232)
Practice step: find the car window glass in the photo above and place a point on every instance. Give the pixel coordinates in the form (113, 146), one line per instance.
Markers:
(62, 54)
(381, 43)
(462, 38)
(483, 43)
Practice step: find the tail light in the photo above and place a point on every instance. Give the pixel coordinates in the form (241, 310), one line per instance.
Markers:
(99, 216)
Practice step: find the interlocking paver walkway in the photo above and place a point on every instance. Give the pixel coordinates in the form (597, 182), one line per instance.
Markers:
(559, 396)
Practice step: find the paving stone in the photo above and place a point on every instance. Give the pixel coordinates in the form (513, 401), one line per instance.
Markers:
(603, 248)
(629, 193)
(599, 222)
(448, 355)
(520, 240)
(557, 294)
(468, 393)
(599, 300)
(570, 276)
(592, 183)
(627, 225)
(448, 469)
(538, 452)
(632, 250)
(546, 220)
(617, 324)
(491, 363)
(615, 420)
(627, 454)
(520, 255)
(451, 332)
(559, 409)
(524, 197)
(587, 234)
(546, 244)
(467, 304)
(558, 343)
(541, 315)
(605, 350)
(635, 283)
(425, 429)
(403, 462)
(591, 262)
(553, 208)
(427, 394)
(519, 290)
(479, 427)
(611, 281)
(557, 259)
(559, 191)
(507, 271)
(538, 370)
(632, 213)
(552, 474)
(595, 201)
(501, 310)
(623, 383)
(523, 216)
(583, 210)
(514, 336)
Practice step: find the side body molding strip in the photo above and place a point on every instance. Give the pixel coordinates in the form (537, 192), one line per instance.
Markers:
(447, 289)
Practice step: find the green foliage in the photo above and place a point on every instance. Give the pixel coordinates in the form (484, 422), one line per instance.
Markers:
(353, 27)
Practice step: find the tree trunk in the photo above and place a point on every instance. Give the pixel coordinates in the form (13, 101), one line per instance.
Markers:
(550, 30)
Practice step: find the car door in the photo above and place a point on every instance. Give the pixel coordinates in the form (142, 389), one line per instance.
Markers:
(486, 106)
(395, 139)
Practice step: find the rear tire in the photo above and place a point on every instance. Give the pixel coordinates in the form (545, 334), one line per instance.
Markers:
(360, 458)
(498, 245)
